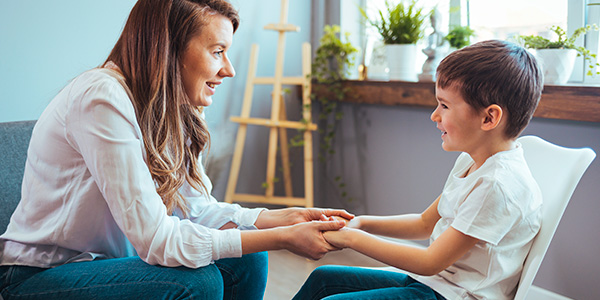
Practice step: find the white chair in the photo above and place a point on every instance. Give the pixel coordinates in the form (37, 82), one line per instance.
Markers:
(557, 171)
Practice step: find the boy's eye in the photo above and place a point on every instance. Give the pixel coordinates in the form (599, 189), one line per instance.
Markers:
(444, 106)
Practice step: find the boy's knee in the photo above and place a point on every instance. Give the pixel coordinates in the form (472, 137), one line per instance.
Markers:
(324, 272)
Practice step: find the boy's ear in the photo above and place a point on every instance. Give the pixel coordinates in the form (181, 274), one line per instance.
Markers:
(492, 115)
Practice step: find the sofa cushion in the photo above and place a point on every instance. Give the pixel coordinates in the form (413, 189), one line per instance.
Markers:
(14, 137)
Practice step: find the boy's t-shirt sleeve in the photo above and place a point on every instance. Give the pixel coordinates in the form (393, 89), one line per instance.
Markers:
(487, 213)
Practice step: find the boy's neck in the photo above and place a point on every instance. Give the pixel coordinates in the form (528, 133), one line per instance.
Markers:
(488, 149)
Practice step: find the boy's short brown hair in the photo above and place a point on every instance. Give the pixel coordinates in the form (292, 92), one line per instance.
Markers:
(495, 72)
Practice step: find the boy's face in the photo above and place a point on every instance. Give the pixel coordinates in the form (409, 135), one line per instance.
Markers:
(459, 122)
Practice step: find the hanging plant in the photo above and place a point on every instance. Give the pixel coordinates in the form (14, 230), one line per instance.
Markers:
(333, 59)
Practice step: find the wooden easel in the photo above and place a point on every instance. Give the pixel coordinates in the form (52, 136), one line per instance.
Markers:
(278, 124)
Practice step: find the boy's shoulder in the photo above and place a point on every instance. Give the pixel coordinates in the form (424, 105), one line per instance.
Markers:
(507, 171)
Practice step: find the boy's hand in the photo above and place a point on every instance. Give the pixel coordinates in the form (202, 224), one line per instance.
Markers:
(354, 223)
(340, 238)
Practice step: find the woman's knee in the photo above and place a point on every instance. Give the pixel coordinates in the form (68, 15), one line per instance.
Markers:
(244, 277)
(201, 283)
(257, 264)
(250, 267)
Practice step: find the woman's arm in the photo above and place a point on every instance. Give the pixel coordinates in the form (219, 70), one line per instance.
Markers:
(408, 226)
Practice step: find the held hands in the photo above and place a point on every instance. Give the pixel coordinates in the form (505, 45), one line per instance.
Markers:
(306, 239)
(302, 228)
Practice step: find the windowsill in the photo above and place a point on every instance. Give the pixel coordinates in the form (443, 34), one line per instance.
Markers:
(564, 102)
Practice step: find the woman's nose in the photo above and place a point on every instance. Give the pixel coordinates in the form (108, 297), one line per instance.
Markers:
(227, 70)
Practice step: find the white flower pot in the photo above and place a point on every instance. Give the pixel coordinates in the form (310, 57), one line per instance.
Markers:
(557, 64)
(401, 61)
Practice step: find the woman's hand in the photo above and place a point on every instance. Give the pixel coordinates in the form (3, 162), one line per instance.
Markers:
(295, 215)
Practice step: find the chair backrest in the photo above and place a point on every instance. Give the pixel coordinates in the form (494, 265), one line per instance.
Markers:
(557, 171)
(14, 141)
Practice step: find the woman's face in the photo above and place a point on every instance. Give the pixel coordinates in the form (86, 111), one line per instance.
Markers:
(205, 62)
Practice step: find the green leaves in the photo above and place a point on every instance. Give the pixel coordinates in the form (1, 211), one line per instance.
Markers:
(402, 23)
(332, 55)
(564, 42)
(459, 36)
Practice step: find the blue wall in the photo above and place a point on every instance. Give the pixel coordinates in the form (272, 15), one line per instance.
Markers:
(43, 44)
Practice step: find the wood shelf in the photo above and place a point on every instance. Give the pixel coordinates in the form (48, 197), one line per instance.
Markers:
(564, 102)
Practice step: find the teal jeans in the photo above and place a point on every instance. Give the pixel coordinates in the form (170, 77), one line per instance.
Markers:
(131, 278)
(352, 283)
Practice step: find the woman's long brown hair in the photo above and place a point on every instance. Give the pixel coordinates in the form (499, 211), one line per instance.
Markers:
(148, 54)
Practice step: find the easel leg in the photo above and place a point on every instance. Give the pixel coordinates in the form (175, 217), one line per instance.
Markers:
(285, 153)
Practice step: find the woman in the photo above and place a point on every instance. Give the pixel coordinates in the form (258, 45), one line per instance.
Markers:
(115, 201)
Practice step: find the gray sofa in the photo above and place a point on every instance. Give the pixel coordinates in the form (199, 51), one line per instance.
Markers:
(14, 141)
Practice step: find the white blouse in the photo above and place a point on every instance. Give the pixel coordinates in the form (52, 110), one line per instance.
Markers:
(87, 192)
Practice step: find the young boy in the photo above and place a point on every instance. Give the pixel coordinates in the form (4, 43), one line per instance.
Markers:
(482, 225)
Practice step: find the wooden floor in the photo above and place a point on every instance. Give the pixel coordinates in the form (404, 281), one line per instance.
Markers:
(287, 271)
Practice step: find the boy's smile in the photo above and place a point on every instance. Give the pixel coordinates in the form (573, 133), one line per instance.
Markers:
(458, 121)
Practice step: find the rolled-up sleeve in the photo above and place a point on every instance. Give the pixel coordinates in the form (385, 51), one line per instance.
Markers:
(102, 126)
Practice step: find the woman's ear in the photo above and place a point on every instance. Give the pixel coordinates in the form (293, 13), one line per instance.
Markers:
(492, 115)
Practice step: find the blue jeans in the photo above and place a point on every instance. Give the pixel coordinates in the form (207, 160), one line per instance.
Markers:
(343, 282)
(131, 278)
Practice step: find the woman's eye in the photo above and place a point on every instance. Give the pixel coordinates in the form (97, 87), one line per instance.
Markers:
(219, 53)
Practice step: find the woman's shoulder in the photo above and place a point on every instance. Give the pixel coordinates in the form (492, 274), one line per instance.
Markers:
(100, 86)
(98, 77)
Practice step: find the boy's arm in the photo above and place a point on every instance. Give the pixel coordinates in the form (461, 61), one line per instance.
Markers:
(408, 226)
(443, 252)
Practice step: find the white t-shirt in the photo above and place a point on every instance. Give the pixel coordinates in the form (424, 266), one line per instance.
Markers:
(87, 191)
(499, 204)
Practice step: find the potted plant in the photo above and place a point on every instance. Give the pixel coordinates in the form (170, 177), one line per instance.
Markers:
(459, 36)
(401, 25)
(558, 56)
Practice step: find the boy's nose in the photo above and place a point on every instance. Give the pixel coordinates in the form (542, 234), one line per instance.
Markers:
(434, 116)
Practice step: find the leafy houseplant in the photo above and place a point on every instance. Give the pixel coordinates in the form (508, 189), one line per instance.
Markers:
(544, 48)
(459, 36)
(401, 26)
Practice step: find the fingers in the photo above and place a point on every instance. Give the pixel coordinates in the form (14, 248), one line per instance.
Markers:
(330, 225)
(338, 212)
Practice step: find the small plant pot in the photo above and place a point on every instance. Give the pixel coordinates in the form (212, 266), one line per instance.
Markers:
(401, 61)
(557, 64)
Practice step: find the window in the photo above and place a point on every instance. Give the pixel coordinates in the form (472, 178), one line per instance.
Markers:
(505, 19)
